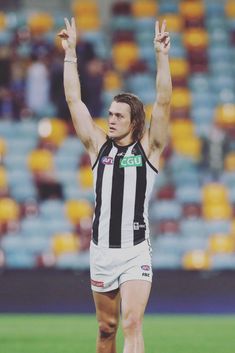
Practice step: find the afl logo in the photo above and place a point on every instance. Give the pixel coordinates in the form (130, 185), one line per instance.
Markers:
(145, 267)
(107, 160)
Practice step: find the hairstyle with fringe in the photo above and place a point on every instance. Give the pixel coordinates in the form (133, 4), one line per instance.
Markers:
(137, 113)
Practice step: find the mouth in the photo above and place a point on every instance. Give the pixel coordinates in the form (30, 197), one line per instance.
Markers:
(112, 129)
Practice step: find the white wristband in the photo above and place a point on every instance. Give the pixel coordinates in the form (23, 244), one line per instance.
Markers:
(70, 60)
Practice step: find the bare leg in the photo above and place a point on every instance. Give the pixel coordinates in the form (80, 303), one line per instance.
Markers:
(134, 297)
(107, 313)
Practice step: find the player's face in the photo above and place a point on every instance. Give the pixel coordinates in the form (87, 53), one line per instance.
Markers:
(119, 121)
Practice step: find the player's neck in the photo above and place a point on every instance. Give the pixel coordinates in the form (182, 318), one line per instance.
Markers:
(124, 141)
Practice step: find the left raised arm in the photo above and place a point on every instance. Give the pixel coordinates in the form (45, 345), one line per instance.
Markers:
(158, 131)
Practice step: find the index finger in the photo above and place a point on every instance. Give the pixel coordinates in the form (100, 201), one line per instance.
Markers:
(156, 28)
(67, 23)
(163, 28)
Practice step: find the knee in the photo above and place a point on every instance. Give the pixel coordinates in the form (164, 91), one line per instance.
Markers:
(132, 323)
(108, 328)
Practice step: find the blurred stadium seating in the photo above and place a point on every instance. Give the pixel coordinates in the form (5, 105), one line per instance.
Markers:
(46, 195)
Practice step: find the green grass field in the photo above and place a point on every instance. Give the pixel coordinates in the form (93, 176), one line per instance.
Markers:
(77, 333)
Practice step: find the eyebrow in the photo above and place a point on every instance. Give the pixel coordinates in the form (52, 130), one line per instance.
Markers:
(118, 114)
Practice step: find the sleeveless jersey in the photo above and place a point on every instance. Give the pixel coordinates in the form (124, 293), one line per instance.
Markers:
(123, 180)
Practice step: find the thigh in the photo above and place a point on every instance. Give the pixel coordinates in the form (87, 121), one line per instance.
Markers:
(134, 297)
(107, 305)
(138, 264)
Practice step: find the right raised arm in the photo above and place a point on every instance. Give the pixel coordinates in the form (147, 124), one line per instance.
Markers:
(89, 133)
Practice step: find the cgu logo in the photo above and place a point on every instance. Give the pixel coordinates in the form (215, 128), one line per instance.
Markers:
(107, 160)
(131, 161)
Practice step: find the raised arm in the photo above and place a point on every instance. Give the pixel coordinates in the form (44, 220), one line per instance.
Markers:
(158, 131)
(89, 133)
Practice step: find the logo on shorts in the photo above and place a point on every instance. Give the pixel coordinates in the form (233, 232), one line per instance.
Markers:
(107, 160)
(145, 267)
(97, 283)
(131, 161)
(138, 226)
(145, 274)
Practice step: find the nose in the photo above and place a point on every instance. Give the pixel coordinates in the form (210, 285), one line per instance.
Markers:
(112, 120)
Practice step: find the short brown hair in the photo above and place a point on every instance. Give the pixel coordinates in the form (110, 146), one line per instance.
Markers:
(137, 113)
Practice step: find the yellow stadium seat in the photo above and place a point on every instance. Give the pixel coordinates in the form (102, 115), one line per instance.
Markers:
(214, 193)
(179, 68)
(40, 22)
(229, 162)
(192, 9)
(181, 98)
(221, 243)
(124, 54)
(40, 160)
(9, 210)
(102, 123)
(78, 209)
(88, 23)
(65, 243)
(147, 8)
(217, 211)
(232, 229)
(87, 7)
(3, 178)
(225, 115)
(195, 38)
(53, 131)
(181, 128)
(196, 260)
(85, 177)
(189, 146)
(3, 21)
(174, 22)
(3, 148)
(230, 8)
(112, 81)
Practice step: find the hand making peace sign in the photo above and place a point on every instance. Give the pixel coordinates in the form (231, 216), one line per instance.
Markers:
(68, 35)
(161, 39)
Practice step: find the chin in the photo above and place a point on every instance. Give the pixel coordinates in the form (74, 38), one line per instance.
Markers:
(112, 135)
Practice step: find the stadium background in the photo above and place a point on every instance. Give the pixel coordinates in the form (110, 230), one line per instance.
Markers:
(46, 196)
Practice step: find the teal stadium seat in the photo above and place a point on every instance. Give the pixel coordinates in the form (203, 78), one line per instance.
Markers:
(78, 261)
(122, 23)
(215, 227)
(223, 262)
(228, 178)
(23, 260)
(163, 210)
(52, 209)
(34, 226)
(171, 6)
(6, 37)
(194, 227)
(189, 194)
(214, 8)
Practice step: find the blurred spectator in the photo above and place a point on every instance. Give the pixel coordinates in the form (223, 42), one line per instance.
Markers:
(5, 66)
(37, 85)
(214, 148)
(7, 107)
(93, 85)
(90, 70)
(57, 88)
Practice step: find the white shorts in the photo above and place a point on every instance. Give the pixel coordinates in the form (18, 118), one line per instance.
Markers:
(109, 267)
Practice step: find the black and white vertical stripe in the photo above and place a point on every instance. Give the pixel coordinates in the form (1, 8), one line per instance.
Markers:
(122, 196)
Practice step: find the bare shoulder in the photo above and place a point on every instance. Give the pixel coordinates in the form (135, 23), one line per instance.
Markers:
(151, 151)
